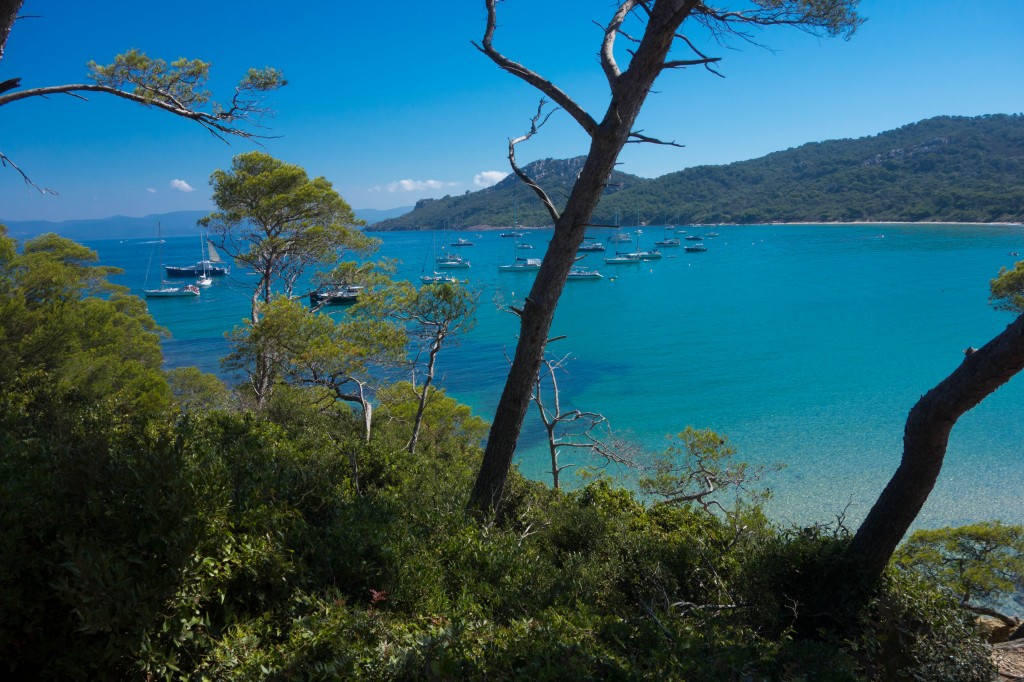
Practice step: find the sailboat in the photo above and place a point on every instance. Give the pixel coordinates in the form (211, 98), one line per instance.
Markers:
(514, 233)
(204, 280)
(210, 266)
(166, 290)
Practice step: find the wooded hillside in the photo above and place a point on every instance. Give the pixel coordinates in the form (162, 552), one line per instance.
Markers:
(944, 169)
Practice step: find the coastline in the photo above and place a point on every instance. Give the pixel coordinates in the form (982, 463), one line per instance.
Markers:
(926, 223)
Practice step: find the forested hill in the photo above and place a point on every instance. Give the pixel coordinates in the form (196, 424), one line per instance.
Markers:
(509, 200)
(946, 169)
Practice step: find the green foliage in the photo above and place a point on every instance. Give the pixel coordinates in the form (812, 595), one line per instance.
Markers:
(274, 219)
(448, 426)
(1007, 290)
(195, 390)
(977, 564)
(181, 84)
(702, 470)
(112, 353)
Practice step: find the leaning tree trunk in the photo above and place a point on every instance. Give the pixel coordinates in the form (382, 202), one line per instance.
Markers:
(662, 20)
(537, 314)
(629, 92)
(924, 445)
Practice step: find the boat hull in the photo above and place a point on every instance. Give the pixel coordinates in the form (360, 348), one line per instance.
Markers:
(197, 270)
(173, 292)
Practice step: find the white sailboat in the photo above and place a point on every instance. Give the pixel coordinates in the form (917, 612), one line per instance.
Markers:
(204, 280)
(166, 290)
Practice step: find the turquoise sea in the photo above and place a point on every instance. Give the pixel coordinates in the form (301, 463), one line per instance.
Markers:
(805, 344)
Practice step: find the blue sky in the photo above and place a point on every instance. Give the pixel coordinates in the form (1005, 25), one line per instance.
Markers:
(392, 103)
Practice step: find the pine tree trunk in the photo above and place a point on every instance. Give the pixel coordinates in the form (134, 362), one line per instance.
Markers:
(924, 445)
(629, 92)
(8, 13)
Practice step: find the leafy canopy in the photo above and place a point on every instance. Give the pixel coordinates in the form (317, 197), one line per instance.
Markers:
(1007, 290)
(182, 84)
(276, 220)
(981, 561)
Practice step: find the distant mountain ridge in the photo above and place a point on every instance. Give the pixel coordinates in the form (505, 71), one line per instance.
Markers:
(174, 224)
(942, 169)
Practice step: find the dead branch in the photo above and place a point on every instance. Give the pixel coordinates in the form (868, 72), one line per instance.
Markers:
(708, 61)
(545, 86)
(608, 64)
(535, 125)
(637, 137)
(6, 161)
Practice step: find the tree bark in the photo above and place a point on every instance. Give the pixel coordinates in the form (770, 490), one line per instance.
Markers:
(421, 408)
(8, 13)
(925, 440)
(629, 91)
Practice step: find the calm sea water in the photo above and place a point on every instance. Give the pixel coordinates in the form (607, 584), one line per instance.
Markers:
(803, 344)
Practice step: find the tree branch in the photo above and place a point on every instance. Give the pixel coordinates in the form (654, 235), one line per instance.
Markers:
(545, 86)
(608, 64)
(637, 137)
(216, 122)
(535, 125)
(6, 161)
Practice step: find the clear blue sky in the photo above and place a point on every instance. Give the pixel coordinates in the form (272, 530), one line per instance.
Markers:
(390, 101)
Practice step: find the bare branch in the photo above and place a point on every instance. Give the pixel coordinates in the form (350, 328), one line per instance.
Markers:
(6, 161)
(681, 63)
(560, 98)
(702, 58)
(611, 69)
(538, 120)
(637, 137)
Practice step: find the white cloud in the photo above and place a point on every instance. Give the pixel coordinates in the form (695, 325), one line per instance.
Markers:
(414, 185)
(182, 186)
(489, 178)
(151, 190)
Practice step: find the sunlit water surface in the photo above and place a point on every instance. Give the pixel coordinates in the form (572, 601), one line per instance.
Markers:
(803, 344)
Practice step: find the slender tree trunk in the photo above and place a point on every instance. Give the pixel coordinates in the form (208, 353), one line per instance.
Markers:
(8, 13)
(629, 92)
(924, 445)
(435, 348)
(538, 312)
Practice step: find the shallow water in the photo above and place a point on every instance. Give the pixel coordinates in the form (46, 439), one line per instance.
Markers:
(806, 344)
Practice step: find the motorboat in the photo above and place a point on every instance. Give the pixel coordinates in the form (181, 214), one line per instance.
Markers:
(522, 265)
(209, 266)
(340, 294)
(583, 274)
(439, 278)
(450, 261)
(623, 259)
